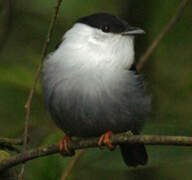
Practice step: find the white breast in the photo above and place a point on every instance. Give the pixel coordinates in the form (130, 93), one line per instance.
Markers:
(88, 56)
(91, 47)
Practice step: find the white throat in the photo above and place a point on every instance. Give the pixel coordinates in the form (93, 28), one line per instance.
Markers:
(89, 62)
(91, 48)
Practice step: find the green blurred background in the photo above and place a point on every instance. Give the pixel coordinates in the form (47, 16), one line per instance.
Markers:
(168, 72)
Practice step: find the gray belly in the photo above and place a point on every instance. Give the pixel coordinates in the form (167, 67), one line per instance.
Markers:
(82, 113)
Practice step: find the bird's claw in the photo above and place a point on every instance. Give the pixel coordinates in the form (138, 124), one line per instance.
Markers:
(64, 146)
(105, 139)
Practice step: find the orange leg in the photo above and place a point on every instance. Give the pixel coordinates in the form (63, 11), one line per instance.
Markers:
(105, 139)
(64, 145)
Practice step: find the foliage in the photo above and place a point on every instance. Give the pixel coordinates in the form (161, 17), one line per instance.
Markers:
(168, 73)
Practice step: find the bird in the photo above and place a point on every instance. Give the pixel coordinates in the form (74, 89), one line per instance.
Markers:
(91, 86)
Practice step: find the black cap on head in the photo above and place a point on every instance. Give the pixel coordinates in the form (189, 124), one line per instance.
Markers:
(105, 22)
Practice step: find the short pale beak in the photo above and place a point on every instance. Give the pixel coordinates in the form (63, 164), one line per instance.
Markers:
(133, 31)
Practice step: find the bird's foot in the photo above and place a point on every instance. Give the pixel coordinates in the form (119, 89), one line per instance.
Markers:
(64, 146)
(105, 139)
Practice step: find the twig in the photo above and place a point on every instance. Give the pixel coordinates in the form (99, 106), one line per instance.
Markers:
(8, 141)
(166, 29)
(71, 165)
(37, 73)
(92, 142)
(10, 148)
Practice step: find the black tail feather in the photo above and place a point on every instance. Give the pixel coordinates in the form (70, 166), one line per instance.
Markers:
(134, 154)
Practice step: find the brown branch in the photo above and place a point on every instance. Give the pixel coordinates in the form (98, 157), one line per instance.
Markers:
(8, 141)
(36, 77)
(10, 148)
(10, 174)
(165, 30)
(92, 142)
(72, 164)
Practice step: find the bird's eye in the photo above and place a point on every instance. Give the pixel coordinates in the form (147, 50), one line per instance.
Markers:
(105, 28)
